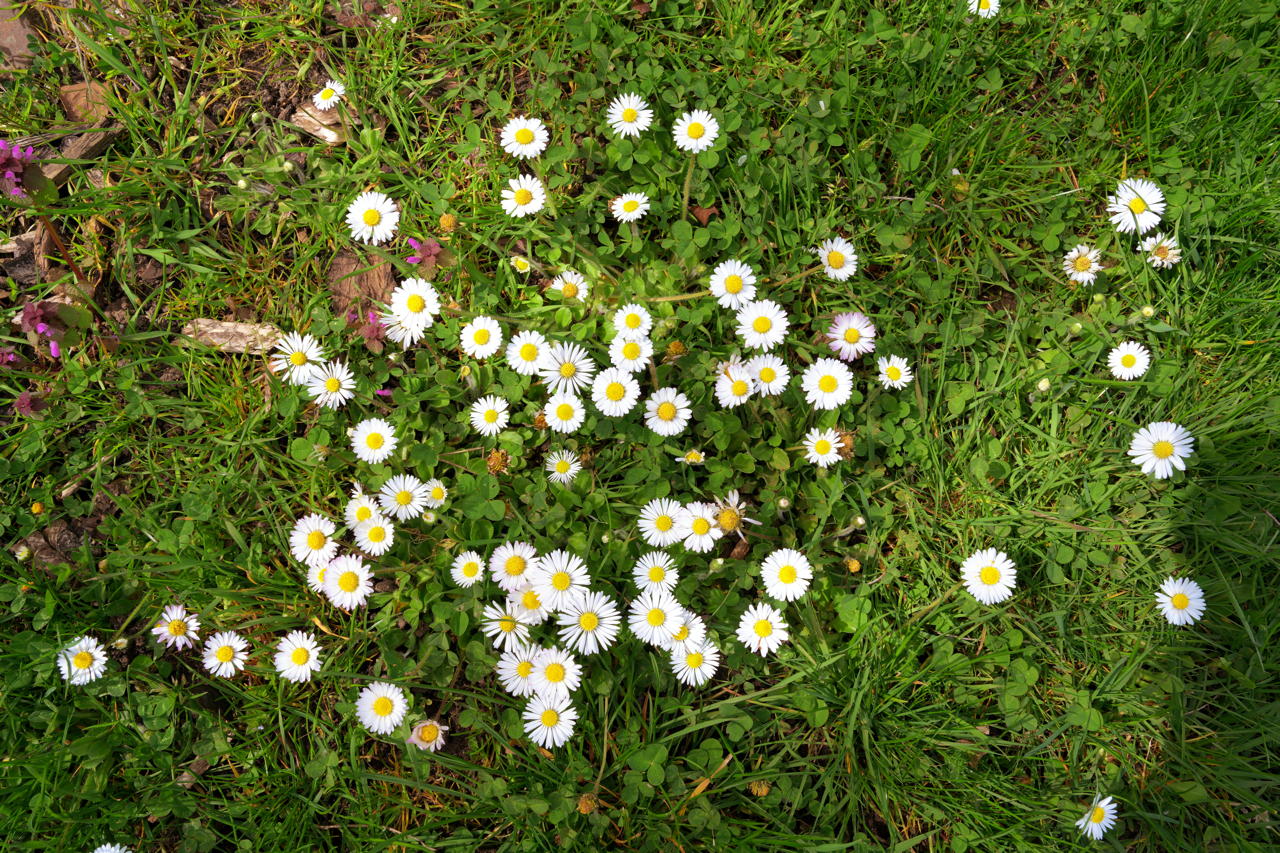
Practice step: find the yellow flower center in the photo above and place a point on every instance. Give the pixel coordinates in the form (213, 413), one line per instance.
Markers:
(1137, 205)
(524, 136)
(633, 321)
(835, 260)
(524, 669)
(733, 284)
(506, 624)
(828, 383)
(629, 115)
(1162, 449)
(470, 569)
(657, 574)
(326, 93)
(1161, 251)
(515, 565)
(520, 264)
(316, 540)
(1128, 359)
(852, 335)
(298, 358)
(1098, 815)
(529, 352)
(562, 467)
(695, 130)
(82, 660)
(739, 388)
(787, 574)
(1082, 263)
(701, 526)
(989, 575)
(320, 572)
(364, 513)
(348, 581)
(615, 391)
(437, 493)
(332, 385)
(480, 336)
(763, 628)
(768, 374)
(225, 654)
(415, 303)
(681, 634)
(177, 628)
(762, 324)
(729, 519)
(664, 523)
(656, 617)
(564, 412)
(568, 369)
(377, 533)
(555, 673)
(630, 205)
(893, 373)
(428, 733)
(404, 497)
(550, 717)
(693, 456)
(693, 660)
(588, 621)
(569, 290)
(530, 600)
(371, 217)
(561, 581)
(666, 411)
(822, 447)
(374, 440)
(383, 706)
(984, 4)
(300, 656)
(1180, 601)
(631, 350)
(491, 416)
(523, 197)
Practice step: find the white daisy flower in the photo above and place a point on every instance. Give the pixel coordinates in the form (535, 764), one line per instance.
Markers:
(403, 497)
(571, 284)
(564, 412)
(412, 310)
(1162, 252)
(632, 355)
(614, 392)
(827, 384)
(1160, 447)
(632, 322)
(566, 367)
(297, 656)
(328, 97)
(509, 563)
(1181, 601)
(1129, 360)
(733, 284)
(297, 356)
(373, 440)
(839, 260)
(348, 583)
(984, 8)
(489, 415)
(1137, 206)
(528, 606)
(311, 540)
(560, 578)
(428, 734)
(467, 569)
(652, 617)
(316, 575)
(731, 513)
(112, 848)
(563, 466)
(381, 707)
(688, 631)
(989, 575)
(786, 574)
(769, 373)
(556, 674)
(695, 665)
(762, 324)
(515, 669)
(549, 721)
(695, 131)
(372, 218)
(667, 412)
(734, 386)
(83, 661)
(762, 629)
(655, 571)
(500, 623)
(360, 508)
(332, 384)
(1100, 817)
(1082, 264)
(659, 522)
(436, 493)
(895, 373)
(481, 338)
(225, 653)
(629, 115)
(698, 528)
(822, 447)
(525, 351)
(177, 629)
(629, 207)
(375, 536)
(851, 335)
(520, 263)
(525, 138)
(691, 457)
(589, 624)
(523, 196)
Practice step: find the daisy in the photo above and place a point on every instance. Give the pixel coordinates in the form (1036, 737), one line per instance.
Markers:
(851, 335)
(590, 624)
(381, 707)
(984, 8)
(83, 661)
(632, 322)
(112, 848)
(630, 354)
(373, 440)
(1137, 206)
(1162, 252)
(329, 96)
(762, 629)
(698, 527)
(225, 653)
(348, 583)
(894, 372)
(297, 357)
(315, 577)
(629, 207)
(733, 284)
(571, 284)
(566, 367)
(402, 497)
(687, 631)
(360, 508)
(652, 617)
(297, 656)
(629, 115)
(548, 721)
(375, 536)
(614, 392)
(762, 325)
(1129, 360)
(667, 412)
(659, 522)
(695, 132)
(332, 384)
(467, 569)
(839, 260)
(524, 352)
(989, 575)
(1181, 601)
(731, 513)
(428, 734)
(177, 628)
(372, 218)
(500, 623)
(412, 310)
(733, 386)
(555, 674)
(524, 137)
(509, 562)
(1100, 817)
(694, 665)
(1160, 447)
(515, 669)
(786, 574)
(655, 572)
(528, 606)
(520, 263)
(564, 412)
(524, 196)
(560, 578)
(827, 384)
(1081, 264)
(489, 415)
(312, 540)
(691, 457)
(563, 466)
(436, 493)
(822, 447)
(481, 338)
(769, 373)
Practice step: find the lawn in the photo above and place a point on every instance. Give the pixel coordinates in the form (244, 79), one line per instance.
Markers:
(150, 456)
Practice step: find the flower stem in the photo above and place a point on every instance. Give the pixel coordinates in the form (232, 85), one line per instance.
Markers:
(680, 297)
(688, 182)
(799, 275)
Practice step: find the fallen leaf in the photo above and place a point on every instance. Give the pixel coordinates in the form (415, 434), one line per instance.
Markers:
(702, 214)
(640, 8)
(251, 338)
(86, 146)
(85, 101)
(306, 118)
(358, 287)
(14, 35)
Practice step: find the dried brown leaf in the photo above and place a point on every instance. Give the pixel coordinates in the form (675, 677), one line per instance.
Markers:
(252, 338)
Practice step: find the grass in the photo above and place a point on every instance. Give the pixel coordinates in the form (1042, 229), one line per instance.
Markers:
(962, 157)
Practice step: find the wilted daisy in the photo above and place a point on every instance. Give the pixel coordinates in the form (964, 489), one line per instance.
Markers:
(481, 338)
(570, 284)
(1181, 601)
(520, 263)
(297, 356)
(629, 207)
(655, 571)
(515, 669)
(827, 384)
(733, 386)
(360, 508)
(762, 324)
(698, 528)
(894, 372)
(762, 629)
(380, 707)
(731, 513)
(1137, 206)
(667, 412)
(1082, 265)
(524, 137)
(632, 322)
(566, 367)
(329, 96)
(489, 415)
(560, 578)
(528, 606)
(403, 497)
(1160, 447)
(436, 493)
(177, 628)
(523, 196)
(372, 218)
(564, 412)
(412, 310)
(659, 522)
(311, 540)
(348, 583)
(375, 536)
(695, 131)
(1100, 817)
(373, 440)
(589, 624)
(524, 352)
(851, 335)
(629, 115)
(500, 623)
(563, 466)
(652, 616)
(984, 8)
(1129, 360)
(509, 563)
(839, 260)
(428, 734)
(989, 575)
(556, 674)
(83, 661)
(786, 574)
(691, 457)
(733, 284)
(467, 568)
(225, 653)
(614, 392)
(332, 384)
(297, 656)
(1162, 252)
(549, 721)
(632, 355)
(694, 665)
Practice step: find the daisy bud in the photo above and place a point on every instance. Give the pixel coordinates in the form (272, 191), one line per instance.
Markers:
(860, 521)
(1043, 386)
(717, 564)
(606, 538)
(257, 117)
(1097, 298)
(122, 643)
(288, 166)
(1148, 311)
(22, 553)
(430, 517)
(1077, 328)
(853, 565)
(783, 503)
(242, 184)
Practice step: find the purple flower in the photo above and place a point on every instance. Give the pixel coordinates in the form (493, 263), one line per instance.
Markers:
(13, 161)
(27, 404)
(54, 349)
(33, 317)
(425, 251)
(383, 392)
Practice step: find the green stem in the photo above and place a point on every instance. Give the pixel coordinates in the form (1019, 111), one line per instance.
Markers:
(688, 182)
(799, 275)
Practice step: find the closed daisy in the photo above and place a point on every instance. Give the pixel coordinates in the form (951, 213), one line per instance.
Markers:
(667, 412)
(655, 572)
(524, 352)
(1100, 817)
(614, 392)
(481, 338)
(412, 310)
(549, 721)
(381, 707)
(571, 284)
(733, 284)
(734, 386)
(629, 115)
(786, 574)
(632, 322)
(630, 354)
(1181, 600)
(524, 196)
(564, 412)
(629, 207)
(1130, 360)
(403, 497)
(509, 564)
(360, 508)
(563, 466)
(822, 447)
(989, 575)
(838, 259)
(698, 528)
(851, 335)
(1082, 265)
(984, 8)
(1162, 252)
(83, 661)
(311, 540)
(328, 97)
(566, 367)
(769, 373)
(373, 440)
(500, 623)
(762, 629)
(375, 536)
(332, 384)
(177, 629)
(659, 522)
(652, 617)
(695, 131)
(467, 569)
(428, 734)
(489, 415)
(297, 656)
(225, 653)
(556, 674)
(515, 669)
(1137, 206)
(372, 218)
(348, 583)
(525, 138)
(296, 357)
(437, 494)
(526, 604)
(1160, 447)
(691, 457)
(695, 665)
(589, 624)
(895, 373)
(827, 384)
(762, 325)
(560, 578)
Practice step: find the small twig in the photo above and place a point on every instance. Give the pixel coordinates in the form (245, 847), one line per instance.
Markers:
(62, 250)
